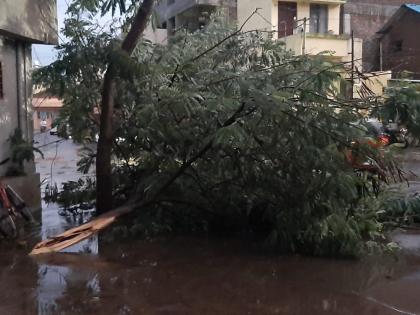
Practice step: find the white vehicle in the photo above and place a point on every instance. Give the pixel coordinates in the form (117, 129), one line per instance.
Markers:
(54, 131)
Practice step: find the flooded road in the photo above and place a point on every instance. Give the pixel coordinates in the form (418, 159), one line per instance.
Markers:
(195, 276)
(184, 276)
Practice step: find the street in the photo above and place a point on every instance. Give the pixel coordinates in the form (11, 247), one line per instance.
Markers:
(197, 276)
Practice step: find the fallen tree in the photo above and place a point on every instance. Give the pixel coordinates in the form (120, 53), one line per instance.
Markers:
(225, 131)
(80, 233)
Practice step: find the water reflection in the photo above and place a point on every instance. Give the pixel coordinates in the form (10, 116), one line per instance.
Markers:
(55, 280)
(190, 276)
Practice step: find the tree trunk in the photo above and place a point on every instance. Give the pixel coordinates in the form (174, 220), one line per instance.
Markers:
(104, 200)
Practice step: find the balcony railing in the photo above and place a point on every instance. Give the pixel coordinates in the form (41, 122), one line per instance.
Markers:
(314, 44)
(168, 10)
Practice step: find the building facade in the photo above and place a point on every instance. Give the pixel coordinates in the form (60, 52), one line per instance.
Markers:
(45, 110)
(191, 14)
(399, 46)
(365, 18)
(22, 23)
(306, 27)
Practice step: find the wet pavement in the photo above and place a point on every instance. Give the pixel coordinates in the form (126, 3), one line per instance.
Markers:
(195, 276)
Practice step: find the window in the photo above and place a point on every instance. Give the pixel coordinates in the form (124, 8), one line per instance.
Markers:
(171, 26)
(318, 22)
(397, 45)
(44, 115)
(171, 2)
(1, 82)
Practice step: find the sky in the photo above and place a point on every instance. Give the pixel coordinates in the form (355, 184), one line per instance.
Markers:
(45, 54)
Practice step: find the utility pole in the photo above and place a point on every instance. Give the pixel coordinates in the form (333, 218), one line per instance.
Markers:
(304, 37)
(381, 60)
(352, 64)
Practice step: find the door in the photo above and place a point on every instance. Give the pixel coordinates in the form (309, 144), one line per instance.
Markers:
(287, 16)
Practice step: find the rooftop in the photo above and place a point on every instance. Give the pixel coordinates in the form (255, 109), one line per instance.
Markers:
(414, 7)
(401, 12)
(46, 102)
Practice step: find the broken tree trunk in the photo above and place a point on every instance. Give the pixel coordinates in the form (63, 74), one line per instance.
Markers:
(80, 233)
(75, 235)
(104, 198)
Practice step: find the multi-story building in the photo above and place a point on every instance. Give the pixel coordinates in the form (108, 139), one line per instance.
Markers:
(22, 23)
(191, 14)
(306, 27)
(310, 26)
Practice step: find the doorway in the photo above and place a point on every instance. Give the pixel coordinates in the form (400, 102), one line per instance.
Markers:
(287, 16)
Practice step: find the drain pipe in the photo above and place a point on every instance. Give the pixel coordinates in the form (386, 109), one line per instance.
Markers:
(25, 78)
(18, 85)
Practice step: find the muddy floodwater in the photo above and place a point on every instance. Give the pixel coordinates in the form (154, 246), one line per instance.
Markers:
(198, 276)
(195, 275)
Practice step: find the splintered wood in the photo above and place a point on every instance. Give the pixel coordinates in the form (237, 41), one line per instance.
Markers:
(80, 233)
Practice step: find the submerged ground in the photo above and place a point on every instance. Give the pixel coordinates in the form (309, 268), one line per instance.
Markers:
(196, 276)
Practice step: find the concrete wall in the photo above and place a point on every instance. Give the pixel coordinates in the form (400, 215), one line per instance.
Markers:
(29, 190)
(265, 20)
(375, 81)
(334, 18)
(157, 36)
(339, 46)
(22, 22)
(15, 107)
(408, 58)
(30, 20)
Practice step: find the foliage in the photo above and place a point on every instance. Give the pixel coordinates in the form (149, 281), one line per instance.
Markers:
(402, 105)
(401, 211)
(225, 132)
(71, 193)
(21, 151)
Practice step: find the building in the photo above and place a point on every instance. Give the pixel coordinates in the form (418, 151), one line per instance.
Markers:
(47, 109)
(191, 14)
(22, 23)
(285, 20)
(399, 47)
(365, 18)
(307, 27)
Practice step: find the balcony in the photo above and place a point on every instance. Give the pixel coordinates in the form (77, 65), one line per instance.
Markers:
(338, 45)
(169, 10)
